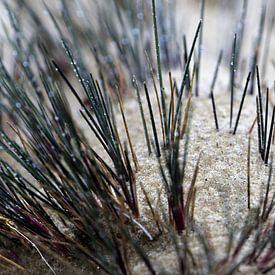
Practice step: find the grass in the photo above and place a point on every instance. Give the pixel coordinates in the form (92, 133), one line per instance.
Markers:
(73, 203)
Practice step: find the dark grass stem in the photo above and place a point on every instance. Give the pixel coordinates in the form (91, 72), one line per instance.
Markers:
(215, 76)
(158, 153)
(214, 111)
(135, 160)
(172, 109)
(266, 117)
(261, 111)
(248, 171)
(267, 190)
(241, 104)
(142, 117)
(212, 89)
(157, 96)
(185, 56)
(232, 78)
(159, 66)
(271, 133)
(185, 73)
(259, 128)
(188, 106)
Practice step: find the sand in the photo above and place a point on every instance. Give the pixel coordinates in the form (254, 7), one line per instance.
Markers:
(221, 199)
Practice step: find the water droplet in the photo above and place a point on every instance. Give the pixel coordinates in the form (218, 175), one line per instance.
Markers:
(18, 105)
(51, 94)
(135, 32)
(125, 41)
(45, 12)
(25, 64)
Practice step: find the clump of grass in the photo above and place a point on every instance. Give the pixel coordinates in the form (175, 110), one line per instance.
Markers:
(69, 201)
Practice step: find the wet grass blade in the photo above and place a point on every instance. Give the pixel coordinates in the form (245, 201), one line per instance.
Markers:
(241, 104)
(158, 153)
(157, 45)
(142, 117)
(232, 78)
(271, 133)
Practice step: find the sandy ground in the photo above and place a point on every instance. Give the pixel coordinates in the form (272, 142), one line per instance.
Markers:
(221, 202)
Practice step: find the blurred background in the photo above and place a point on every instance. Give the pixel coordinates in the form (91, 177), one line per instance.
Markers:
(116, 35)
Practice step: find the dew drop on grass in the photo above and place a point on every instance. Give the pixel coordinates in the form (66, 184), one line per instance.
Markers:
(73, 157)
(51, 94)
(135, 32)
(125, 41)
(18, 105)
